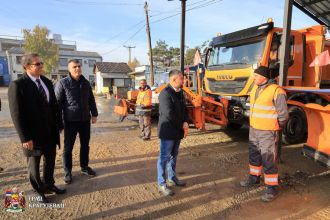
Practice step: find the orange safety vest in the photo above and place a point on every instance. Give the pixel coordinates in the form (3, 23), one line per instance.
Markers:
(144, 98)
(263, 114)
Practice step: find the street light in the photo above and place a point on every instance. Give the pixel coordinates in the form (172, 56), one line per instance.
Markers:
(183, 24)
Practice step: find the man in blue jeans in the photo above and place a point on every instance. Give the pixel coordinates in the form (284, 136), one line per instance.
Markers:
(77, 102)
(173, 117)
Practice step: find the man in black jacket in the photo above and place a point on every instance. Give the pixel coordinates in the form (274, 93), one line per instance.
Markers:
(35, 114)
(77, 103)
(172, 127)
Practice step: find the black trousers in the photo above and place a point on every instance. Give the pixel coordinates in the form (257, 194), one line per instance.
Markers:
(33, 162)
(71, 129)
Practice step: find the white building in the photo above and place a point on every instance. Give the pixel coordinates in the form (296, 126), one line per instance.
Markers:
(110, 74)
(143, 72)
(11, 52)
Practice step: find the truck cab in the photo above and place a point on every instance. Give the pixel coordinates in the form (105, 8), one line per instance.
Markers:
(231, 59)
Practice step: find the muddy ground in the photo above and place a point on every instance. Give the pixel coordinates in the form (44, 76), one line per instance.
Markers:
(212, 163)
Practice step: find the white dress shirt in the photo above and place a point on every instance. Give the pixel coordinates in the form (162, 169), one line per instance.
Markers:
(34, 79)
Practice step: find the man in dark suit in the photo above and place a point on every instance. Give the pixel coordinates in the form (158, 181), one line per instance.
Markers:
(36, 116)
(172, 127)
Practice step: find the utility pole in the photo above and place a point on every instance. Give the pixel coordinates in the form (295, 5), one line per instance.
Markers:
(183, 24)
(129, 52)
(149, 45)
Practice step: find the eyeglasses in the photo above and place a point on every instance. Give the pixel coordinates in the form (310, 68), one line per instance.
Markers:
(37, 64)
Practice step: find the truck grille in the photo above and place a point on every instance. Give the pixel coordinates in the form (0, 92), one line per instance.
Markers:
(227, 86)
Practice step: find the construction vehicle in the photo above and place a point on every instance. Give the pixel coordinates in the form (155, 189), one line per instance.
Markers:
(232, 58)
(222, 96)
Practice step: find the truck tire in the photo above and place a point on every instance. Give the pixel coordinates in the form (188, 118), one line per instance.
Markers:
(234, 126)
(295, 129)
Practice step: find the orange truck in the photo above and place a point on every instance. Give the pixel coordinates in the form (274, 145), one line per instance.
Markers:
(231, 59)
(222, 96)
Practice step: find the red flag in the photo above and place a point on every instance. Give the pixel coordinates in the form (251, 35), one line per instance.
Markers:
(322, 59)
(197, 58)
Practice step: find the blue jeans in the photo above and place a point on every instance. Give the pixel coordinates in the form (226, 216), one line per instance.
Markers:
(169, 150)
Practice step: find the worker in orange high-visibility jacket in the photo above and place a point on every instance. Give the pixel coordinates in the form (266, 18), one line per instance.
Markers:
(143, 109)
(268, 114)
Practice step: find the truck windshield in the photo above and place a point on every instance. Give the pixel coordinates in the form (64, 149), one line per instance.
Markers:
(246, 53)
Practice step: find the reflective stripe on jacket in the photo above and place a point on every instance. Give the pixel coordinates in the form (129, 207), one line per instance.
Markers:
(263, 114)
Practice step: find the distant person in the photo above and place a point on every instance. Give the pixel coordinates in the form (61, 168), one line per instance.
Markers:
(268, 115)
(172, 127)
(36, 116)
(77, 102)
(143, 109)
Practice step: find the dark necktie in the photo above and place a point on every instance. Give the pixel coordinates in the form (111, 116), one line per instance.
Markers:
(41, 90)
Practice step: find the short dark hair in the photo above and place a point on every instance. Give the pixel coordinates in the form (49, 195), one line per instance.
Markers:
(74, 61)
(174, 72)
(27, 58)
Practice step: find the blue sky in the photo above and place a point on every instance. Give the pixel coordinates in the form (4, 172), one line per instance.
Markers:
(104, 25)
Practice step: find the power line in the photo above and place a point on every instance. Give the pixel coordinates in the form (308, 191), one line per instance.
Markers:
(190, 9)
(205, 4)
(133, 35)
(98, 3)
(188, 5)
(175, 10)
(120, 33)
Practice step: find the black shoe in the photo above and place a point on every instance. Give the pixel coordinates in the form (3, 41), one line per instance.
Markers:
(146, 139)
(88, 171)
(68, 178)
(270, 194)
(56, 190)
(176, 182)
(163, 189)
(251, 181)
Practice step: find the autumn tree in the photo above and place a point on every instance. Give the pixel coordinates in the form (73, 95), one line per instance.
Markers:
(134, 63)
(37, 41)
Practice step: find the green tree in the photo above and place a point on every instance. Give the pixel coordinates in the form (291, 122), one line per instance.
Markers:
(165, 55)
(37, 41)
(189, 56)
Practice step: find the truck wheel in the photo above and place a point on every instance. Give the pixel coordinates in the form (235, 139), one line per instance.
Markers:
(234, 126)
(296, 128)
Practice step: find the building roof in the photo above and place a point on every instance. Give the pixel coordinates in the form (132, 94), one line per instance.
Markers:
(16, 50)
(79, 53)
(111, 67)
(20, 50)
(319, 10)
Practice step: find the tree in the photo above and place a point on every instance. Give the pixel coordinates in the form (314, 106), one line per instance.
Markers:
(133, 63)
(37, 41)
(190, 54)
(164, 55)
